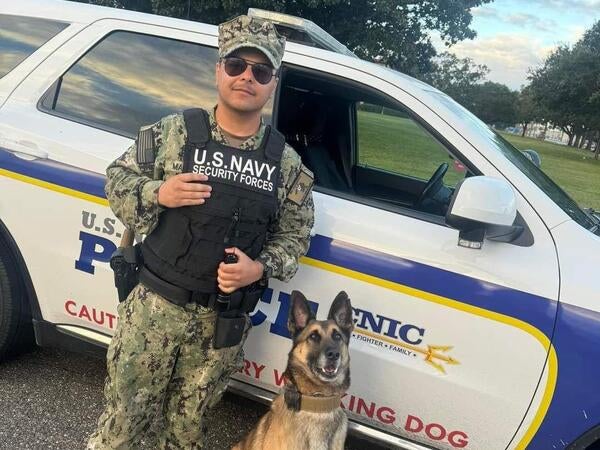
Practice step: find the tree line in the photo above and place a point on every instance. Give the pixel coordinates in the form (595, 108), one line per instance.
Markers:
(394, 33)
(564, 91)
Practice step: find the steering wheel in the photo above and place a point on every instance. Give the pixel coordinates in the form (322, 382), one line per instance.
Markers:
(433, 185)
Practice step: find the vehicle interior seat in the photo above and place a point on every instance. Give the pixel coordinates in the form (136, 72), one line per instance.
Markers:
(311, 123)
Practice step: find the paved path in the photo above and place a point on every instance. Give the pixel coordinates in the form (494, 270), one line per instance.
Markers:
(51, 399)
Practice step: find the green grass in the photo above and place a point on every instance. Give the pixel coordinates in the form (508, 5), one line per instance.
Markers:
(399, 145)
(576, 171)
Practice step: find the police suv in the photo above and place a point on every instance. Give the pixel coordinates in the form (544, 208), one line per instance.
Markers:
(473, 276)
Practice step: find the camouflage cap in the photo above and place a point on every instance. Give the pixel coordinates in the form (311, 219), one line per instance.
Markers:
(244, 31)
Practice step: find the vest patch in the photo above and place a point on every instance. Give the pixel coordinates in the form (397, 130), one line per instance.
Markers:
(232, 168)
(301, 187)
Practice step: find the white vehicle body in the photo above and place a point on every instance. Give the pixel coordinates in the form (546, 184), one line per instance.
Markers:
(454, 347)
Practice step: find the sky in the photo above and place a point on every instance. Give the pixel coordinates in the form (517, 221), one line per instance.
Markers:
(513, 36)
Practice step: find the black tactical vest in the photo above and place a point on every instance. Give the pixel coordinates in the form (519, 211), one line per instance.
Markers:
(188, 244)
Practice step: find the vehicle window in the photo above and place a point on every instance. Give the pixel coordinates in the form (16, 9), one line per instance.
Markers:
(130, 79)
(361, 143)
(389, 139)
(530, 170)
(400, 162)
(21, 36)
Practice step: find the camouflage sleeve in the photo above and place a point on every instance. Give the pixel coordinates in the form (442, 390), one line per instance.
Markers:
(288, 236)
(133, 180)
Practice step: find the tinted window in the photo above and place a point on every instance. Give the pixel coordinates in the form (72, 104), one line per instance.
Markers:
(21, 36)
(130, 79)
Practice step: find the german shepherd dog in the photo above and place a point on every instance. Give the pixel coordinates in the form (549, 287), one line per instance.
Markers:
(307, 414)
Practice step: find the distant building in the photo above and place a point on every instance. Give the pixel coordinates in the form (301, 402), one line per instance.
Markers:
(542, 131)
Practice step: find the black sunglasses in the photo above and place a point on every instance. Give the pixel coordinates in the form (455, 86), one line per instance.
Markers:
(235, 66)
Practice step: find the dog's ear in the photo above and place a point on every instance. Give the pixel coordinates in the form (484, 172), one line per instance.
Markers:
(300, 313)
(341, 312)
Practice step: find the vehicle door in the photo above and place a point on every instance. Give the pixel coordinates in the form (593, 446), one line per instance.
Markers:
(75, 113)
(449, 343)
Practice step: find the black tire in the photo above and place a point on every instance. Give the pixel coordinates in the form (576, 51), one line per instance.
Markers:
(16, 332)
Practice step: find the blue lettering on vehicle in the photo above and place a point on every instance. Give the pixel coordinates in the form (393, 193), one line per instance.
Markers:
(93, 248)
(366, 320)
(279, 325)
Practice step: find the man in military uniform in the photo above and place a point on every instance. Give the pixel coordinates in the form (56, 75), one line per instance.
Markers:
(178, 185)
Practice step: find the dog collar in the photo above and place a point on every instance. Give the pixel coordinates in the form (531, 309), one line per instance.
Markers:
(316, 404)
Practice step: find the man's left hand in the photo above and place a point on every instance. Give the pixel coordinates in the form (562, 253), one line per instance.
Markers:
(240, 274)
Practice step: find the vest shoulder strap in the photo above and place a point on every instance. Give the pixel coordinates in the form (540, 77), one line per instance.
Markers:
(275, 143)
(197, 126)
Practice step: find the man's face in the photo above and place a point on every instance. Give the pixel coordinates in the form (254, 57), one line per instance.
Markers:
(242, 92)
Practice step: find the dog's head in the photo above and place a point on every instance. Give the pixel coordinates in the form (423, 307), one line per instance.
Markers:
(320, 347)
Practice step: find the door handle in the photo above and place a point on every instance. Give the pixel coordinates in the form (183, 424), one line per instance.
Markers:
(24, 150)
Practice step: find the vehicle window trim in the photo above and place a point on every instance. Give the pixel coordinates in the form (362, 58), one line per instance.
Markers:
(335, 78)
(54, 88)
(408, 212)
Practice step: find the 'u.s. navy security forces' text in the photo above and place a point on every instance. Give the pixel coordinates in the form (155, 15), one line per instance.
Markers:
(238, 169)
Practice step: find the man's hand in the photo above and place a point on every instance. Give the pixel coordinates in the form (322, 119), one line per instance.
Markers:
(184, 190)
(240, 274)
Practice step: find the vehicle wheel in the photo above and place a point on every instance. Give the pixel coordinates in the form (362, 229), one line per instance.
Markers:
(16, 332)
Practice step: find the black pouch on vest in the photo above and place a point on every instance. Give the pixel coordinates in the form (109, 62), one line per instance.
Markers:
(229, 329)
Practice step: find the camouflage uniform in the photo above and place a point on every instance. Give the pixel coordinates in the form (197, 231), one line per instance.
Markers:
(161, 359)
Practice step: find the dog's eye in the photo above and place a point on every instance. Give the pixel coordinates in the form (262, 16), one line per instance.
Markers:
(336, 336)
(314, 336)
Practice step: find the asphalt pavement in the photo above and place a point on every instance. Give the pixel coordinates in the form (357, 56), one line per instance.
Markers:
(51, 399)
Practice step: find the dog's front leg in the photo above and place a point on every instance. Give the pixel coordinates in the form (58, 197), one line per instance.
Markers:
(339, 438)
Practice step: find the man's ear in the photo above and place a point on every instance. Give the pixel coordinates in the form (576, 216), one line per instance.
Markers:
(274, 88)
(300, 313)
(341, 313)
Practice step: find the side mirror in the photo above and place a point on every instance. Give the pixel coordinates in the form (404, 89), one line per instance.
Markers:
(483, 207)
(533, 156)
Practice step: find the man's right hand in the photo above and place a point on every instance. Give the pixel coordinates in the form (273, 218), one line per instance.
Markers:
(184, 189)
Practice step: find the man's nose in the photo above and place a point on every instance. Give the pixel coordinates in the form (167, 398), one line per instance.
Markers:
(247, 74)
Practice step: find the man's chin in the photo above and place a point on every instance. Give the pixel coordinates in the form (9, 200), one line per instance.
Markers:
(244, 105)
(244, 108)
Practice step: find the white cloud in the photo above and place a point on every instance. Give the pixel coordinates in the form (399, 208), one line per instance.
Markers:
(508, 56)
(516, 19)
(485, 11)
(529, 20)
(510, 41)
(589, 7)
(575, 33)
